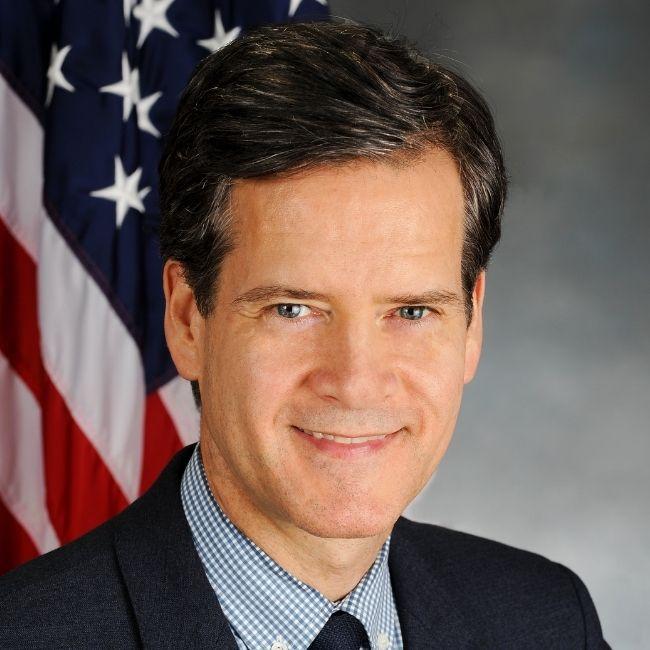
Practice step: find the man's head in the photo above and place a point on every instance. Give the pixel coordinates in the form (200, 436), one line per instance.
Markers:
(337, 163)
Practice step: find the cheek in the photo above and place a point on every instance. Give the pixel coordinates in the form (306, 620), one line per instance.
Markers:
(439, 392)
(437, 366)
(436, 385)
(250, 377)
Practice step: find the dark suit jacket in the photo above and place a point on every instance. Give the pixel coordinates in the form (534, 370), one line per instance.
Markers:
(138, 581)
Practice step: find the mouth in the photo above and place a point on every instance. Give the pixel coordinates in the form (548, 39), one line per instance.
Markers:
(345, 440)
(342, 447)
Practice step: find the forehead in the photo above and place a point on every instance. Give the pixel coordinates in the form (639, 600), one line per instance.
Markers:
(357, 216)
(359, 197)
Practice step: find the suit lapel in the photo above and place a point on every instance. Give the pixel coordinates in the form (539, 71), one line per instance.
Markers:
(430, 617)
(174, 604)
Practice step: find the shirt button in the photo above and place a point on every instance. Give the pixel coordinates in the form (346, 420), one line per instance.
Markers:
(383, 641)
(279, 645)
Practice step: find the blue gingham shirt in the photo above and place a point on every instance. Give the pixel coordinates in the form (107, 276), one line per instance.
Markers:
(267, 608)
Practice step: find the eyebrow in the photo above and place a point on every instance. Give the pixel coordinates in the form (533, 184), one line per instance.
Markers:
(275, 291)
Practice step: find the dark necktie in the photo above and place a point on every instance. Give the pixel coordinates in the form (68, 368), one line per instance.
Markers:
(341, 632)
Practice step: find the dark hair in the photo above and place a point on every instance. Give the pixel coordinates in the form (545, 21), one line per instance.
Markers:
(284, 98)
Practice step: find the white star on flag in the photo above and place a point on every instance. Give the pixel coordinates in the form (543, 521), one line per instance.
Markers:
(128, 5)
(124, 192)
(221, 36)
(152, 14)
(55, 74)
(143, 106)
(129, 89)
(294, 4)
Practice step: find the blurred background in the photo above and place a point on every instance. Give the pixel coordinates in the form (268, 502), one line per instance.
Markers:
(552, 446)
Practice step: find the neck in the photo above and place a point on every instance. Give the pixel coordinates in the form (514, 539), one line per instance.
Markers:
(332, 566)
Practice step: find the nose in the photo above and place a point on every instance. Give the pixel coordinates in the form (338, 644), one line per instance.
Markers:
(354, 365)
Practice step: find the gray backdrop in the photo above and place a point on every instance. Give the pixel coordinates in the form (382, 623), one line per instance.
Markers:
(552, 446)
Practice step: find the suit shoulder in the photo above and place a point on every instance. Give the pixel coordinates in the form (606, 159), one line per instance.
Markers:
(64, 595)
(512, 592)
(57, 564)
(471, 551)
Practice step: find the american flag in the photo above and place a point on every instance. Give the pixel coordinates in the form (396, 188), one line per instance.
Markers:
(91, 407)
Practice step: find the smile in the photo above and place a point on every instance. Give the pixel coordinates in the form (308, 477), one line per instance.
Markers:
(344, 440)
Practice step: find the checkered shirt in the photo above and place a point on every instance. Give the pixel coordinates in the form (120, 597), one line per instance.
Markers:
(266, 607)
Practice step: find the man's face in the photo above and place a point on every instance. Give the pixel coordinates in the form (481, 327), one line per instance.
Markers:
(351, 362)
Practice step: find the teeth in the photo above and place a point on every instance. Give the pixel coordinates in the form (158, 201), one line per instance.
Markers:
(342, 439)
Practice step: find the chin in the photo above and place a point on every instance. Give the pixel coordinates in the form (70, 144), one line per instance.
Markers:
(348, 523)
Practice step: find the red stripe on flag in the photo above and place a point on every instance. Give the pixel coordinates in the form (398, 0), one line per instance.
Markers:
(16, 545)
(161, 440)
(81, 492)
(19, 333)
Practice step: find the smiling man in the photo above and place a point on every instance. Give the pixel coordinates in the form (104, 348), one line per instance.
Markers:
(330, 200)
(322, 419)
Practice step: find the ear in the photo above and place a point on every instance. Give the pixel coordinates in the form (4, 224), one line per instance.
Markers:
(184, 325)
(474, 335)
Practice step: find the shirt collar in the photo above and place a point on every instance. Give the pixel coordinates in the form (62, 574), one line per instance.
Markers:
(264, 603)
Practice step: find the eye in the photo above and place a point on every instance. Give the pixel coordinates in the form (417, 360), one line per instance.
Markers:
(414, 313)
(288, 310)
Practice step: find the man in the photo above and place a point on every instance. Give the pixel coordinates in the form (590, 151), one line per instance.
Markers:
(330, 200)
